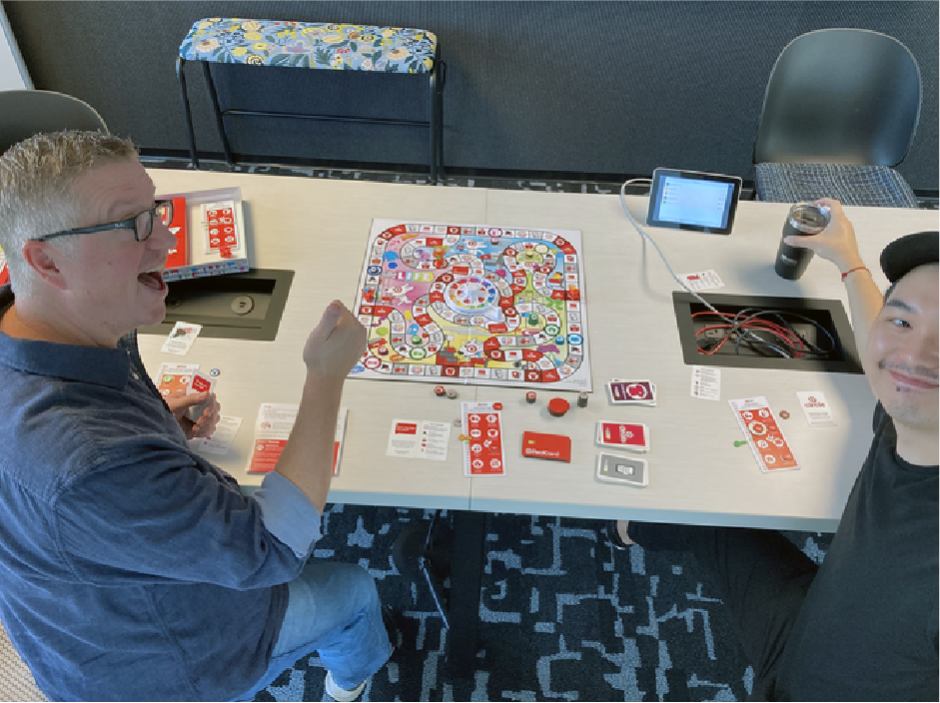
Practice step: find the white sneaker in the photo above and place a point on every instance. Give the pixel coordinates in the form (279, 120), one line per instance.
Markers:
(341, 694)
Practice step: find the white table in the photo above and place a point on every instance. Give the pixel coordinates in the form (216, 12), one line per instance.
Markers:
(319, 229)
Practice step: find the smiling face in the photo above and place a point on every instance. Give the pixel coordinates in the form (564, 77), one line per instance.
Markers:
(111, 287)
(902, 351)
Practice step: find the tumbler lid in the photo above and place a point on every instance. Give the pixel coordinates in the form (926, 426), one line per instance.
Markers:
(808, 217)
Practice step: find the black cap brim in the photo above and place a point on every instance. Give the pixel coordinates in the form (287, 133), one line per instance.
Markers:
(904, 255)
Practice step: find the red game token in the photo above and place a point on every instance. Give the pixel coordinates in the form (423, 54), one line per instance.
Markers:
(558, 407)
(530, 397)
(440, 391)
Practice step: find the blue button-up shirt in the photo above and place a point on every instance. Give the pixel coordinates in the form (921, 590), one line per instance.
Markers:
(130, 567)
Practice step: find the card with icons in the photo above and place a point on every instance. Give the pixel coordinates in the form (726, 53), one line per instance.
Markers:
(220, 228)
(763, 434)
(623, 392)
(483, 434)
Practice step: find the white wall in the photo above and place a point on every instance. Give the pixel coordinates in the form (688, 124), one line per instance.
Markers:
(13, 74)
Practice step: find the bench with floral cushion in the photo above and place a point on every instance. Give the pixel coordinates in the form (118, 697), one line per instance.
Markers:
(342, 47)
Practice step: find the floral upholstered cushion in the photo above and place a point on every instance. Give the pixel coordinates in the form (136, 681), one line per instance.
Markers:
(350, 47)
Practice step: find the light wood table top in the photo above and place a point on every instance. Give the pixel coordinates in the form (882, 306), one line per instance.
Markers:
(319, 229)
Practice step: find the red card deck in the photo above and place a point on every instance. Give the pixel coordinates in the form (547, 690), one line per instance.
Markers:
(623, 435)
(546, 446)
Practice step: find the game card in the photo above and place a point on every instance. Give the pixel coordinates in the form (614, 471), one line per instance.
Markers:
(200, 383)
(221, 440)
(175, 377)
(221, 230)
(631, 392)
(178, 256)
(763, 434)
(181, 338)
(702, 280)
(272, 429)
(623, 435)
(4, 272)
(418, 439)
(706, 382)
(817, 411)
(483, 450)
(612, 468)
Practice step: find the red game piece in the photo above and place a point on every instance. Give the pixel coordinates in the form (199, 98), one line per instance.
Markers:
(440, 391)
(530, 397)
(558, 407)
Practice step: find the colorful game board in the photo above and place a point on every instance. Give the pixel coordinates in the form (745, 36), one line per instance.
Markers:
(474, 304)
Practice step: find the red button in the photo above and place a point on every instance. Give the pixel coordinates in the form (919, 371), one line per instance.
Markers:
(558, 407)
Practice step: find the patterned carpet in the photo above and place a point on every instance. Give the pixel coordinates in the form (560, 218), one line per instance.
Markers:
(564, 617)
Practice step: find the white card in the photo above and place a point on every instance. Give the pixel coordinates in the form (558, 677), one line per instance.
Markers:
(418, 439)
(817, 411)
(702, 280)
(181, 338)
(706, 382)
(221, 440)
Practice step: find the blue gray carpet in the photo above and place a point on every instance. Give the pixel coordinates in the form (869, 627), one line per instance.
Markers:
(564, 617)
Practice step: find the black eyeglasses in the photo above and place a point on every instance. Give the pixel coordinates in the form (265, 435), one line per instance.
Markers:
(141, 224)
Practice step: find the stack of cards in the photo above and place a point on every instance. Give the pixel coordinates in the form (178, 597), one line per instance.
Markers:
(631, 392)
(623, 435)
(621, 469)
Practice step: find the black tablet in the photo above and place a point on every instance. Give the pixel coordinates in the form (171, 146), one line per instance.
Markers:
(701, 202)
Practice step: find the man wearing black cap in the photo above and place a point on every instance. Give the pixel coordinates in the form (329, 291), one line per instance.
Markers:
(863, 625)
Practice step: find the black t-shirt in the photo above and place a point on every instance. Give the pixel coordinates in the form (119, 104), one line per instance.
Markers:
(868, 629)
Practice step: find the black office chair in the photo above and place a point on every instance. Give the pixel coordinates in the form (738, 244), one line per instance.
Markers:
(24, 113)
(840, 110)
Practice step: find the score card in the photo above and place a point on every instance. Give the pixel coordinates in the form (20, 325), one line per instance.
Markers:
(763, 434)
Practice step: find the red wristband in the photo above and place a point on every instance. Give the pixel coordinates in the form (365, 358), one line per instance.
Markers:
(857, 268)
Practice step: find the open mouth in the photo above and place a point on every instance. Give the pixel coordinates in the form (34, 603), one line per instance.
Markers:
(153, 280)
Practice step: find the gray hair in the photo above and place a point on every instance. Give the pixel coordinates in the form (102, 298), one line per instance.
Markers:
(37, 176)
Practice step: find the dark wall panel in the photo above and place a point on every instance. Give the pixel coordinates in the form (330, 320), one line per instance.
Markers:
(576, 87)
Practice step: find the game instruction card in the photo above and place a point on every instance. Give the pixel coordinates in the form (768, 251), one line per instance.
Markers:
(817, 411)
(475, 304)
(483, 453)
(702, 280)
(418, 439)
(763, 434)
(181, 338)
(220, 441)
(706, 382)
(272, 430)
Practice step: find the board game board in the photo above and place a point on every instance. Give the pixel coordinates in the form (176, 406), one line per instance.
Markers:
(474, 304)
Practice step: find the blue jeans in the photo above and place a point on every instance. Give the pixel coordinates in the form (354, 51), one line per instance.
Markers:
(333, 609)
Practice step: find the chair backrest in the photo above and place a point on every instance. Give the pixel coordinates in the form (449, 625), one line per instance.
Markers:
(24, 113)
(845, 96)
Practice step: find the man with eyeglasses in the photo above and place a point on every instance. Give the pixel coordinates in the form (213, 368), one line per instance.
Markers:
(130, 567)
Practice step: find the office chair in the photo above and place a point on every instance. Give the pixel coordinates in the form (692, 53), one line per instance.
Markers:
(24, 113)
(840, 110)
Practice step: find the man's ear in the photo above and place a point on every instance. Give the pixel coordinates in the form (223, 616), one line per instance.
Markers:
(43, 259)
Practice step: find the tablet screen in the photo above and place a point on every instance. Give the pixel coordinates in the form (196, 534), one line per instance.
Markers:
(702, 202)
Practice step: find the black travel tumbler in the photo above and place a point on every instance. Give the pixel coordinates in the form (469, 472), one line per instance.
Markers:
(805, 219)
